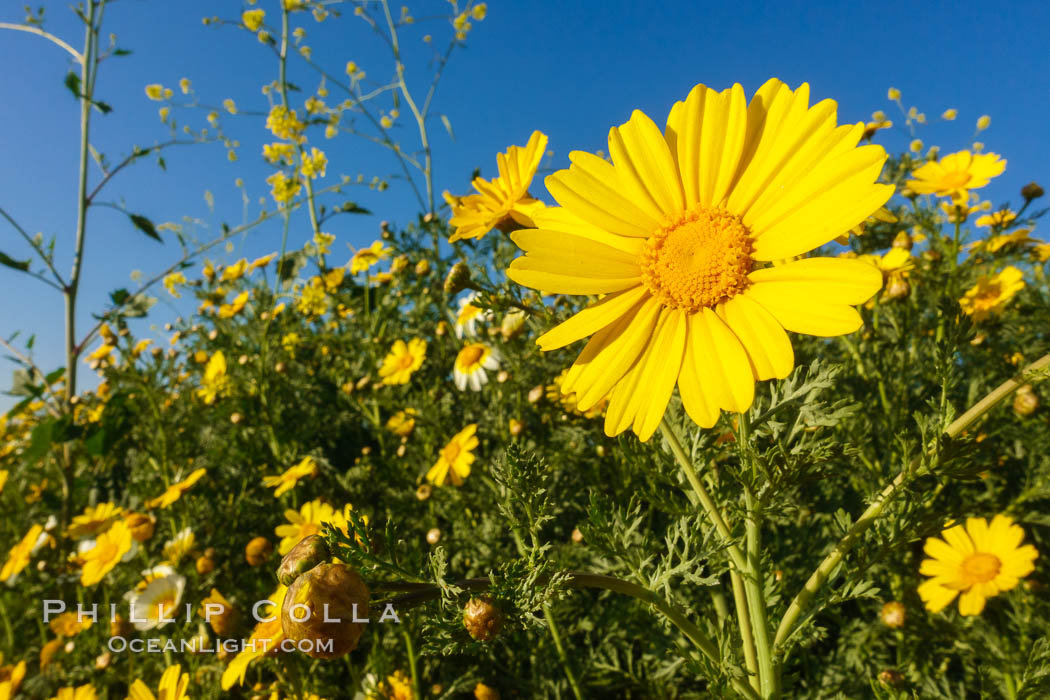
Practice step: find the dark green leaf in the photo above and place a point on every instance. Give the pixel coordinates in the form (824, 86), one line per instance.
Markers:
(72, 82)
(102, 107)
(145, 225)
(119, 296)
(7, 260)
(122, 52)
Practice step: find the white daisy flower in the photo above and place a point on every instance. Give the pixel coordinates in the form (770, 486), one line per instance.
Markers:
(471, 363)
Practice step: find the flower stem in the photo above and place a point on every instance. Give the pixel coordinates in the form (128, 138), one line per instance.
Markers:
(868, 517)
(548, 615)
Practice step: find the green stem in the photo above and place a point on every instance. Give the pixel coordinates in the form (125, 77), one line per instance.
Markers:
(754, 583)
(562, 656)
(413, 665)
(418, 593)
(867, 518)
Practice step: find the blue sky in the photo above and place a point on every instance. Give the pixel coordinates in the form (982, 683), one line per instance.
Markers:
(568, 69)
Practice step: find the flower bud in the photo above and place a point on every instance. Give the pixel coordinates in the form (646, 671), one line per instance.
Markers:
(1032, 191)
(896, 288)
(893, 614)
(503, 376)
(577, 536)
(258, 551)
(422, 267)
(424, 491)
(890, 677)
(236, 418)
(458, 278)
(513, 324)
(242, 360)
(303, 615)
(206, 564)
(485, 692)
(516, 427)
(102, 661)
(536, 393)
(1025, 401)
(433, 535)
(310, 552)
(902, 240)
(280, 368)
(483, 619)
(141, 526)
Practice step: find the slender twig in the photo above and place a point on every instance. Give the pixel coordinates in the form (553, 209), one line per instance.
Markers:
(131, 158)
(47, 35)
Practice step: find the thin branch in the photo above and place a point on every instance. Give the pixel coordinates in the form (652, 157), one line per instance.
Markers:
(29, 239)
(47, 35)
(132, 158)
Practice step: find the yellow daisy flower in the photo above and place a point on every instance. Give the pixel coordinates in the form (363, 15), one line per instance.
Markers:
(455, 459)
(265, 639)
(235, 307)
(991, 293)
(67, 624)
(403, 360)
(287, 480)
(956, 174)
(18, 557)
(178, 547)
(173, 684)
(175, 491)
(261, 262)
(215, 382)
(397, 686)
(11, 678)
(235, 271)
(1019, 238)
(109, 549)
(82, 692)
(403, 422)
(996, 219)
(3, 479)
(471, 363)
(678, 233)
(94, 520)
(307, 521)
(367, 257)
(975, 562)
(172, 282)
(503, 202)
(568, 400)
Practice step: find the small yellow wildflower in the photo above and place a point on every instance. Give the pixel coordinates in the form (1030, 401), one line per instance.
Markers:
(284, 189)
(403, 360)
(455, 458)
(367, 257)
(175, 491)
(991, 293)
(215, 382)
(109, 549)
(287, 480)
(172, 281)
(155, 92)
(253, 19)
(314, 164)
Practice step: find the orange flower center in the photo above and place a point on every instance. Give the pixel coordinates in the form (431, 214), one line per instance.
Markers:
(697, 260)
(980, 567)
(470, 355)
(955, 179)
(450, 452)
(406, 361)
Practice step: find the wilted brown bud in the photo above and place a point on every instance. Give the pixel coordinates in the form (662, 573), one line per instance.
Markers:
(258, 551)
(893, 614)
(485, 692)
(458, 278)
(331, 592)
(119, 627)
(902, 240)
(310, 552)
(890, 677)
(280, 368)
(141, 526)
(1025, 401)
(206, 563)
(482, 618)
(896, 288)
(424, 491)
(1032, 191)
(536, 393)
(156, 352)
(433, 535)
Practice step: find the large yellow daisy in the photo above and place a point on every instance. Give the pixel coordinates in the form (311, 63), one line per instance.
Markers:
(679, 232)
(978, 561)
(109, 549)
(991, 293)
(956, 174)
(502, 202)
(173, 686)
(94, 520)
